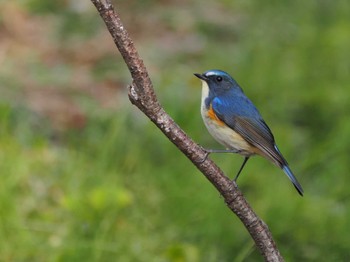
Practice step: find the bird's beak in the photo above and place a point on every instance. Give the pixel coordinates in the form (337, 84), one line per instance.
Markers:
(202, 77)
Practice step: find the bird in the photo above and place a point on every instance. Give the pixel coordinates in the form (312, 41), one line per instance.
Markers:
(233, 120)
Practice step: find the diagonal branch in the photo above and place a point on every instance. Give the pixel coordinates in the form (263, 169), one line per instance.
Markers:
(141, 94)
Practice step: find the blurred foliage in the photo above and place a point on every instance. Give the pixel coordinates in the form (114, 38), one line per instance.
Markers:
(86, 177)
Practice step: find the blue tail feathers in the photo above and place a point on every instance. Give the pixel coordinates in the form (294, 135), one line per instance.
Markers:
(292, 178)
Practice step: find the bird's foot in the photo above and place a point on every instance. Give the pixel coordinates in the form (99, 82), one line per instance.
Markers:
(207, 152)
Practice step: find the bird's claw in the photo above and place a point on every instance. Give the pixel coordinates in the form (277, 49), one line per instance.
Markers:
(205, 156)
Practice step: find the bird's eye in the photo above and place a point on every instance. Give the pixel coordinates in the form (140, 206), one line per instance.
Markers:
(219, 78)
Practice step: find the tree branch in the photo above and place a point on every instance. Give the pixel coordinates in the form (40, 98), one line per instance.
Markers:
(141, 94)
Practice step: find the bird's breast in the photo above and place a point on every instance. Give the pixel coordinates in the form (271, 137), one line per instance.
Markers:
(213, 117)
(223, 133)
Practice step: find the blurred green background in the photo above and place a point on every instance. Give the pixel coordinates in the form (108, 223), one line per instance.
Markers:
(86, 177)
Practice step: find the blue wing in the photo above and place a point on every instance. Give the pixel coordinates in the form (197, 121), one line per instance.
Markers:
(239, 113)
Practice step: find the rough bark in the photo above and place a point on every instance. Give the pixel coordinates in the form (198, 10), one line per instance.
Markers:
(142, 95)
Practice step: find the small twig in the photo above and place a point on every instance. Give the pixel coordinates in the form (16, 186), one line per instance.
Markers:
(141, 94)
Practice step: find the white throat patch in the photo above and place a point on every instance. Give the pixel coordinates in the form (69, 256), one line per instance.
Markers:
(205, 92)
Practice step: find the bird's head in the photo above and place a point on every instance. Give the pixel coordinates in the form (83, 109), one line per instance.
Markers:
(218, 82)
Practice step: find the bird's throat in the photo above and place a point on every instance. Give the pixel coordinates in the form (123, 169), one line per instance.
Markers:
(205, 93)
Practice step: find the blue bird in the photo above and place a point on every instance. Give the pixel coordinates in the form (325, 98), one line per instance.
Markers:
(233, 120)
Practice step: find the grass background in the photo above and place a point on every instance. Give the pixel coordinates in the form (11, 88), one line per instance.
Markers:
(86, 177)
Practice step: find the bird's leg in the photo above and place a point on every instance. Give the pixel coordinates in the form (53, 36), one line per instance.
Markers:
(209, 151)
(244, 162)
(205, 157)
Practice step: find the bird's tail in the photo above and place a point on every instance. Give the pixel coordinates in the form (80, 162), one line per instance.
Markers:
(292, 178)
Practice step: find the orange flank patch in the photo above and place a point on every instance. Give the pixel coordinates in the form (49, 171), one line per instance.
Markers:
(213, 116)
